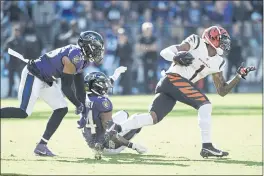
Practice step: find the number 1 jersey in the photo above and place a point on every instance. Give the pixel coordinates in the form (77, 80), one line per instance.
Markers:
(202, 65)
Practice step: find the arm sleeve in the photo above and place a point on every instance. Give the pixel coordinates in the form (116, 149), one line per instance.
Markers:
(66, 86)
(79, 87)
(193, 40)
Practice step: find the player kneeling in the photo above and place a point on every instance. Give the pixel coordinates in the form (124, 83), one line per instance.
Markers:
(99, 112)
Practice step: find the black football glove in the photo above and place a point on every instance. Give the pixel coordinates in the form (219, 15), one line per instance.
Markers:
(243, 71)
(183, 58)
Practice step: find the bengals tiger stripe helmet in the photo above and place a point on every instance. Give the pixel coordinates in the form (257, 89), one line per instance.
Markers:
(218, 38)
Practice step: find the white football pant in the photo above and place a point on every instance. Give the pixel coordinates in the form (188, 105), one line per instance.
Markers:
(31, 88)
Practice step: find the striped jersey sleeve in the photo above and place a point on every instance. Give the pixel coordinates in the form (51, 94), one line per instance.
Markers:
(193, 40)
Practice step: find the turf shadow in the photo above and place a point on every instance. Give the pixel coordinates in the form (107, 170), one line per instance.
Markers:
(226, 161)
(127, 158)
(122, 158)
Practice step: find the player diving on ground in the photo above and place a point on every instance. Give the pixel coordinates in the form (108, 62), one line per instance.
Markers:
(38, 80)
(192, 60)
(99, 111)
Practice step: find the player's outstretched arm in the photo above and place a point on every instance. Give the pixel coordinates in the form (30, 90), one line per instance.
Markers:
(223, 87)
(179, 54)
(66, 81)
(170, 52)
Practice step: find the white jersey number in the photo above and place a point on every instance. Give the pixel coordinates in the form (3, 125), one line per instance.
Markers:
(90, 123)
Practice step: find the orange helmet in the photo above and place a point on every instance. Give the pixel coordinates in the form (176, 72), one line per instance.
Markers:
(218, 38)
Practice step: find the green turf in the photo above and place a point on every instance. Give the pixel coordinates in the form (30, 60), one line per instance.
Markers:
(173, 144)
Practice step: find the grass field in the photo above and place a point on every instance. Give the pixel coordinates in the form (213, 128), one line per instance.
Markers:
(173, 144)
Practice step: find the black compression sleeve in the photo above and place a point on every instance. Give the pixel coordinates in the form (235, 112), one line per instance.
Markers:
(66, 87)
(79, 87)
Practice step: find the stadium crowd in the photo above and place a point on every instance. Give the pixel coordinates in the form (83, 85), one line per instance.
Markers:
(134, 33)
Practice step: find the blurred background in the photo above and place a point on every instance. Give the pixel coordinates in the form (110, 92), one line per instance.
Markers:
(129, 27)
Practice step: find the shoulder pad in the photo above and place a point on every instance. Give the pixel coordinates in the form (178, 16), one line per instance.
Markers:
(76, 58)
(103, 104)
(75, 54)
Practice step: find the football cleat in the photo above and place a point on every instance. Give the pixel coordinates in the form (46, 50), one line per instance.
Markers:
(98, 149)
(43, 150)
(212, 152)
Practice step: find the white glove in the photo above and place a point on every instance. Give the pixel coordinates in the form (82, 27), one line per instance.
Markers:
(140, 149)
(118, 72)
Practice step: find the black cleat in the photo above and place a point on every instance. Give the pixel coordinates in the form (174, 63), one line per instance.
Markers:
(211, 151)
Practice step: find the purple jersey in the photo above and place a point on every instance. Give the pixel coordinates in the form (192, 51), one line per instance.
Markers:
(94, 131)
(50, 64)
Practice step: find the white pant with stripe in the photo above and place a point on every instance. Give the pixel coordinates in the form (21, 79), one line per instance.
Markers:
(31, 88)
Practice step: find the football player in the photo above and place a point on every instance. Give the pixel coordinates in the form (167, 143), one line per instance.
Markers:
(98, 111)
(38, 80)
(192, 60)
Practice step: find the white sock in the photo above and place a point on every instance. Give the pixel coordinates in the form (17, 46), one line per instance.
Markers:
(137, 121)
(45, 140)
(204, 118)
